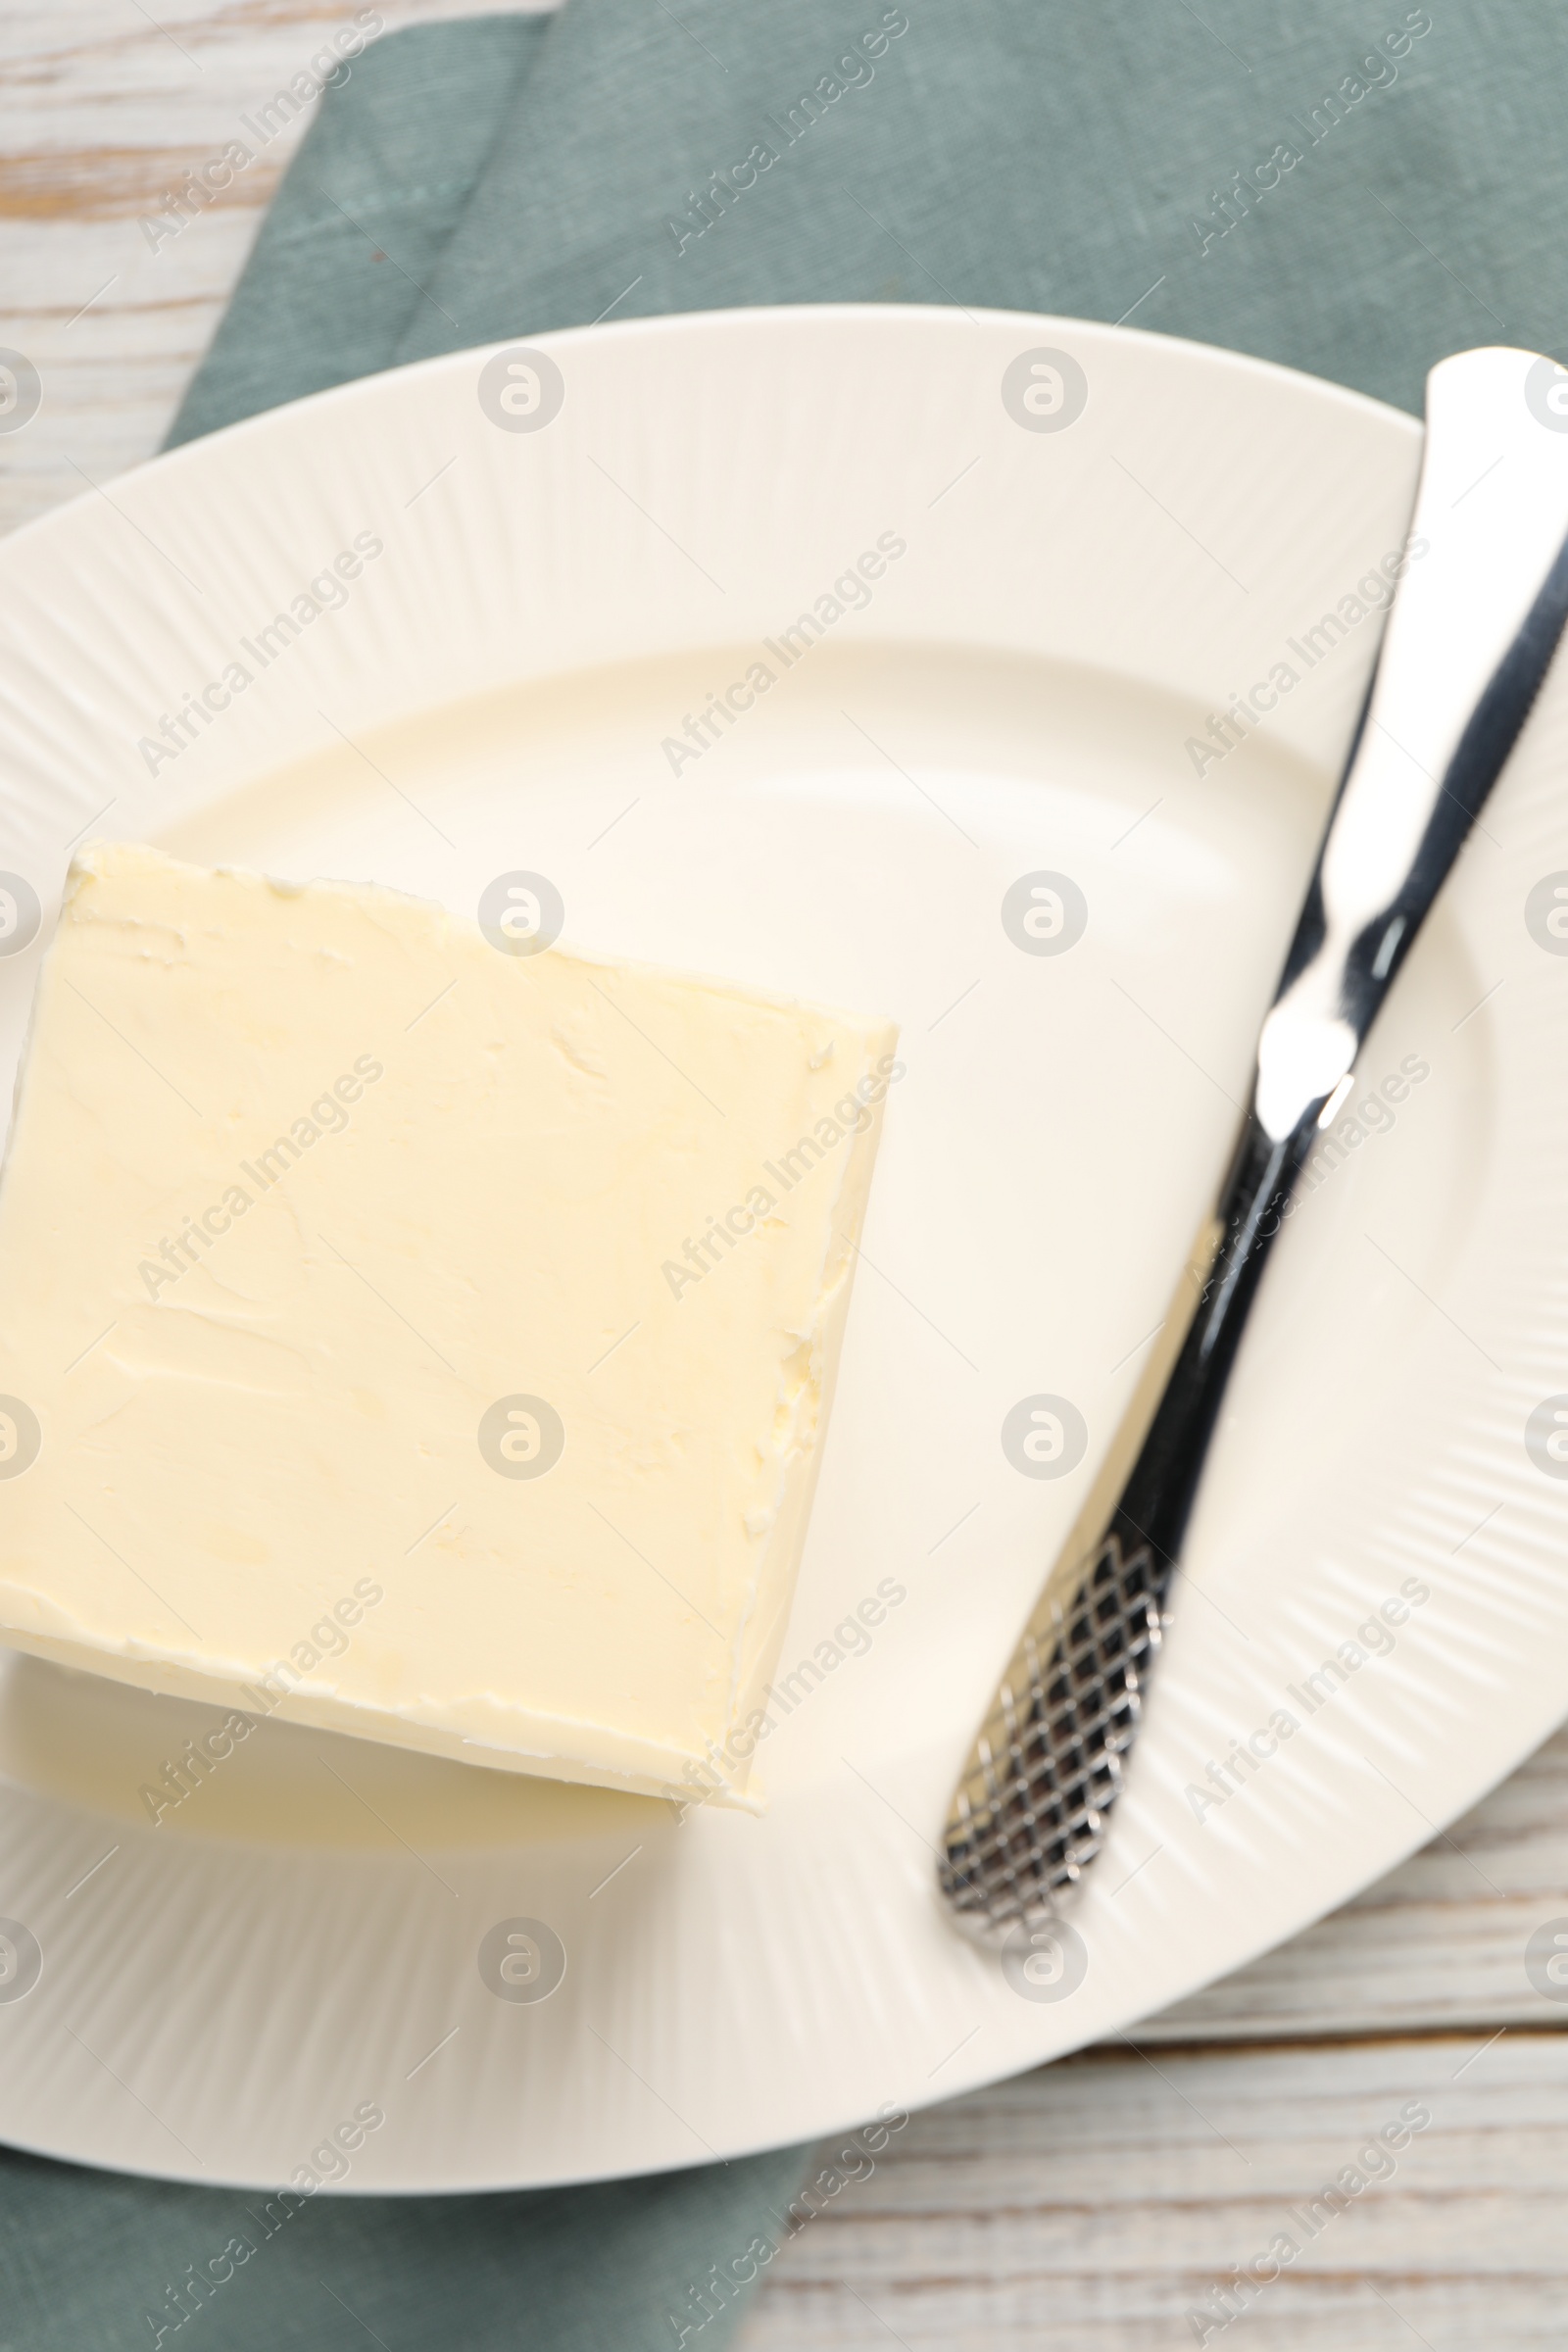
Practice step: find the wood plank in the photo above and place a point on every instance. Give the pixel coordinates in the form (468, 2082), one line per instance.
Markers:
(108, 111)
(1094, 2206)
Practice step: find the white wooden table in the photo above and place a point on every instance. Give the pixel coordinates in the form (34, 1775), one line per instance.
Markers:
(1096, 2204)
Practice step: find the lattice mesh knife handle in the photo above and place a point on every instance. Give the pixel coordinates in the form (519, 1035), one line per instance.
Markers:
(1029, 1814)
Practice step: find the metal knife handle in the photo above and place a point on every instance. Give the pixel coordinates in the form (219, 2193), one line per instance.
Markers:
(1478, 616)
(1029, 1814)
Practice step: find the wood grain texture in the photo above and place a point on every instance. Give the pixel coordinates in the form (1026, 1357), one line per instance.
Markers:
(103, 111)
(1094, 2205)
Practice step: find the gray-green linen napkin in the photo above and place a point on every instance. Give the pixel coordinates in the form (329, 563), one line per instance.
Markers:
(1351, 187)
(100, 2262)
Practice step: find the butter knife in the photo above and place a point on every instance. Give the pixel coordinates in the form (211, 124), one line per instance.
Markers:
(1469, 638)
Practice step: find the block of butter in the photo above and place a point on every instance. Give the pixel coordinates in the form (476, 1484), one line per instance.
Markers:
(414, 1330)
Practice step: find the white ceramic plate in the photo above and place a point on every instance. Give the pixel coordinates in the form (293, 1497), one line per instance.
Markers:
(1015, 694)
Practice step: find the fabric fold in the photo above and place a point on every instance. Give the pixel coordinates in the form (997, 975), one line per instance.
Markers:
(355, 236)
